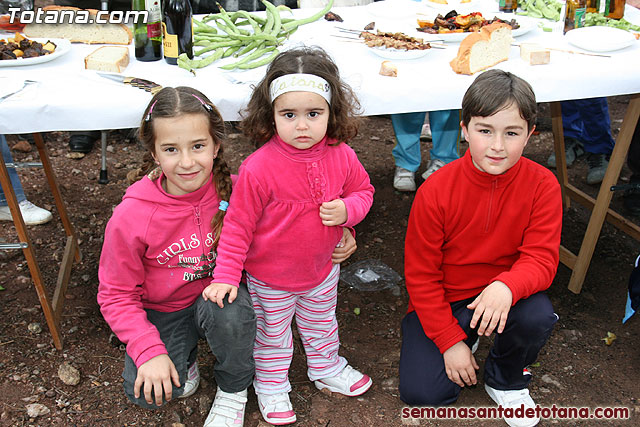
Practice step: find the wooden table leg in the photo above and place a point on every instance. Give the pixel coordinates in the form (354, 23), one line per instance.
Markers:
(52, 309)
(604, 194)
(561, 161)
(29, 254)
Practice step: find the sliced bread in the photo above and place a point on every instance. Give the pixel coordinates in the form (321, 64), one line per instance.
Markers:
(81, 33)
(113, 59)
(484, 49)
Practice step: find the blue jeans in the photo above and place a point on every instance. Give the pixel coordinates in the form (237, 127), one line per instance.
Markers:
(587, 120)
(229, 331)
(423, 380)
(445, 132)
(13, 175)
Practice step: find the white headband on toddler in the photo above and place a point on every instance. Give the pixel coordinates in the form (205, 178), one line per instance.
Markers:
(300, 83)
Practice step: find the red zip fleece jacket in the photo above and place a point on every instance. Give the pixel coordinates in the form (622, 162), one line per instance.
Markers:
(156, 255)
(468, 228)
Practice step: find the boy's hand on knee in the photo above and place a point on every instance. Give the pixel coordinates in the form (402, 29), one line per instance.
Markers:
(216, 292)
(156, 373)
(333, 213)
(460, 365)
(491, 308)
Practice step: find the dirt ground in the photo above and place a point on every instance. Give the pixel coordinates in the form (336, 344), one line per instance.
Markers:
(576, 367)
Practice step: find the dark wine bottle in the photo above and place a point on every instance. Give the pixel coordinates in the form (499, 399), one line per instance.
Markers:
(148, 36)
(177, 30)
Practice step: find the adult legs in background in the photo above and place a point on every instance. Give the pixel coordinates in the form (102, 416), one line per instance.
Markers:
(631, 197)
(587, 128)
(31, 213)
(407, 127)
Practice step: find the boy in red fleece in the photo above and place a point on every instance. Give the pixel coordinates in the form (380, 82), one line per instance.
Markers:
(482, 244)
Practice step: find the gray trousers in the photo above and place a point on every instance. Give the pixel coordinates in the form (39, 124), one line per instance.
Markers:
(229, 331)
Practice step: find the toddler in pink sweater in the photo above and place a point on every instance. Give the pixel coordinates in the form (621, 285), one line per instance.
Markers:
(293, 197)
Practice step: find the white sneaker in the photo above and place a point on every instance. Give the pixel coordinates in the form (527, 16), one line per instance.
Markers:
(514, 399)
(276, 409)
(425, 134)
(227, 409)
(350, 382)
(475, 345)
(432, 166)
(192, 382)
(404, 180)
(31, 214)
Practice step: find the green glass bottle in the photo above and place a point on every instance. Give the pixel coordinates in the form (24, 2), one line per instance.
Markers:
(148, 35)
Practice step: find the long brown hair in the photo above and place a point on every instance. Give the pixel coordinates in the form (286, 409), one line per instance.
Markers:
(343, 123)
(174, 102)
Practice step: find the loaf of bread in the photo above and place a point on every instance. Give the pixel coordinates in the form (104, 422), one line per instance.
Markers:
(81, 33)
(484, 49)
(113, 59)
(388, 68)
(534, 54)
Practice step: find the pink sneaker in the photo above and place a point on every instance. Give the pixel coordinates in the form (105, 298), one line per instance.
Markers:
(350, 382)
(276, 409)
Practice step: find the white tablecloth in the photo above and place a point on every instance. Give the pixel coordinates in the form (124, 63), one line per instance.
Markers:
(68, 97)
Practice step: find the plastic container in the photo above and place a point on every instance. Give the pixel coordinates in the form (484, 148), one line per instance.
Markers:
(370, 275)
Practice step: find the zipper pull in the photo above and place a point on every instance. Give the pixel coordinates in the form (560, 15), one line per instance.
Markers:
(198, 220)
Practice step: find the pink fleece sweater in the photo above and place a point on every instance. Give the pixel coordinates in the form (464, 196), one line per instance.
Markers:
(156, 255)
(273, 228)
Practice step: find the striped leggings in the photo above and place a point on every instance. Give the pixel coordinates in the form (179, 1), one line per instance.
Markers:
(315, 312)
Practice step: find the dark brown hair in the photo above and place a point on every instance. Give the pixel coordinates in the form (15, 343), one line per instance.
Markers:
(174, 102)
(496, 90)
(343, 123)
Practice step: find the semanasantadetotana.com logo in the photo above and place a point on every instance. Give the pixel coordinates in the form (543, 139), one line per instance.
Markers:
(77, 16)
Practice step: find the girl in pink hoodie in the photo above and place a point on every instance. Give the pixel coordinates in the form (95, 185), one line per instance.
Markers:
(158, 253)
(294, 197)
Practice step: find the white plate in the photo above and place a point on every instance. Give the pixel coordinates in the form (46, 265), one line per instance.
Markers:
(600, 39)
(62, 46)
(393, 9)
(526, 25)
(457, 5)
(386, 53)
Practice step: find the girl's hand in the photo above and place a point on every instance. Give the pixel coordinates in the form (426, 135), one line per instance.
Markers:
(216, 292)
(156, 373)
(491, 308)
(345, 248)
(333, 213)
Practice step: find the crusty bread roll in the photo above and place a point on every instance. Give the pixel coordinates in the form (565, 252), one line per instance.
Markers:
(388, 68)
(113, 59)
(81, 33)
(483, 49)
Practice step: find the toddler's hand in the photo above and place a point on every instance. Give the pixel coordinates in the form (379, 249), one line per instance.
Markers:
(333, 213)
(345, 248)
(216, 292)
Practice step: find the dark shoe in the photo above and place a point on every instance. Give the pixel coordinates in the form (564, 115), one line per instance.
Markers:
(82, 142)
(631, 198)
(598, 164)
(572, 150)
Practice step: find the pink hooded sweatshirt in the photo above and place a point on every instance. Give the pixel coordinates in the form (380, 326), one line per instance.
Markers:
(156, 255)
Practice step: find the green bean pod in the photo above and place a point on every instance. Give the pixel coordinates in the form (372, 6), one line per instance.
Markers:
(254, 55)
(214, 46)
(293, 24)
(277, 23)
(260, 62)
